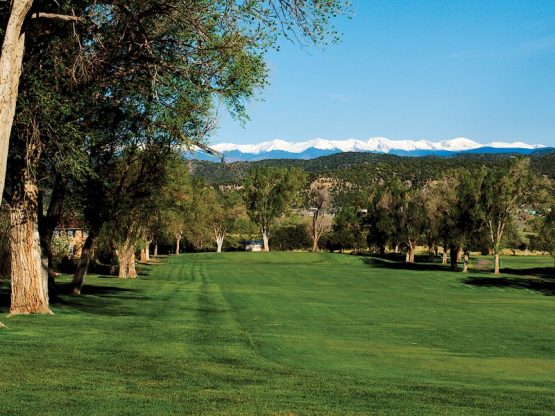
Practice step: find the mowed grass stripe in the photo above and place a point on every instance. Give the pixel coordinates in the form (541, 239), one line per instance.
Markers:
(284, 333)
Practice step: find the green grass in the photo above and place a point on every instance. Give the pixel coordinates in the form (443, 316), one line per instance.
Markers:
(288, 334)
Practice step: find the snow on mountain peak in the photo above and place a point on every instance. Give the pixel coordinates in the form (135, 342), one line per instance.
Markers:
(373, 144)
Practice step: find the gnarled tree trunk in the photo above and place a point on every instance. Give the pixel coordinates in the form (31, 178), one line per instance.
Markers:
(11, 62)
(126, 260)
(131, 269)
(29, 268)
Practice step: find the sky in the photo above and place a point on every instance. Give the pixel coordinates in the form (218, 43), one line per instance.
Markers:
(414, 69)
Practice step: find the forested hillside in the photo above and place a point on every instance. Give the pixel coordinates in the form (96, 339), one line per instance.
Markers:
(362, 168)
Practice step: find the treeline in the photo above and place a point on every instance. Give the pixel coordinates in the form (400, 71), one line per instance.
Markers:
(98, 98)
(362, 168)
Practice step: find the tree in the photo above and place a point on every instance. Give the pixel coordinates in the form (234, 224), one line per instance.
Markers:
(11, 63)
(347, 232)
(227, 208)
(545, 229)
(404, 214)
(504, 190)
(269, 193)
(319, 201)
(157, 68)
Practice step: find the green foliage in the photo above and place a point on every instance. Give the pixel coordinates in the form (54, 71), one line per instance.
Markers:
(270, 192)
(61, 244)
(347, 232)
(291, 237)
(504, 190)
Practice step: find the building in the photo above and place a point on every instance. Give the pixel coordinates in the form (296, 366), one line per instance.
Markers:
(254, 245)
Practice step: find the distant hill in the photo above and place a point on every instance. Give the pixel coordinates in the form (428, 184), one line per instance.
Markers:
(361, 168)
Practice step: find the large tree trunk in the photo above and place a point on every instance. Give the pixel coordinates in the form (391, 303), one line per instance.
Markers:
(177, 243)
(147, 250)
(83, 266)
(314, 244)
(11, 62)
(131, 269)
(122, 264)
(266, 239)
(155, 249)
(496, 263)
(219, 243)
(47, 225)
(29, 268)
(142, 259)
(126, 260)
(453, 251)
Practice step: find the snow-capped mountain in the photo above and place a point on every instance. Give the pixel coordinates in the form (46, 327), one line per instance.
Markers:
(281, 149)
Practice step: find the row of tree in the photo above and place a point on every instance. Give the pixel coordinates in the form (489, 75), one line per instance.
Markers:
(460, 211)
(98, 97)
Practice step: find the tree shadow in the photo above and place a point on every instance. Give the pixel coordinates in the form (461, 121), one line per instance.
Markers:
(4, 296)
(99, 299)
(396, 263)
(542, 285)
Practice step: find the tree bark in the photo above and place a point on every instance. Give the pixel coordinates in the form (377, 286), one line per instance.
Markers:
(453, 252)
(83, 266)
(147, 250)
(126, 260)
(496, 269)
(143, 255)
(47, 225)
(266, 239)
(29, 268)
(131, 269)
(409, 257)
(219, 243)
(11, 61)
(155, 250)
(177, 242)
(444, 254)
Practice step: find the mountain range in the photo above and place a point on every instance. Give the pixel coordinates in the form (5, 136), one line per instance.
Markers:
(310, 149)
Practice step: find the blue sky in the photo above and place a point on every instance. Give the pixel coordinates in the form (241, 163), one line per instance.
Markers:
(415, 70)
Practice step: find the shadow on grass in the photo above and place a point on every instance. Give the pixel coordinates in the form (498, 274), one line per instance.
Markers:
(99, 300)
(540, 279)
(397, 263)
(545, 286)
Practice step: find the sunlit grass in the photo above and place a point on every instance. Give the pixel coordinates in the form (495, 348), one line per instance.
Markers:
(289, 333)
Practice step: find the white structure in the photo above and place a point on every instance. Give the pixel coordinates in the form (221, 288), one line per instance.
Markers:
(254, 245)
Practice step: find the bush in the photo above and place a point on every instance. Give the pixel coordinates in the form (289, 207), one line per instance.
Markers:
(291, 237)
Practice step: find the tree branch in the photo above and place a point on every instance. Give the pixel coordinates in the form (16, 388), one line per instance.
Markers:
(54, 16)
